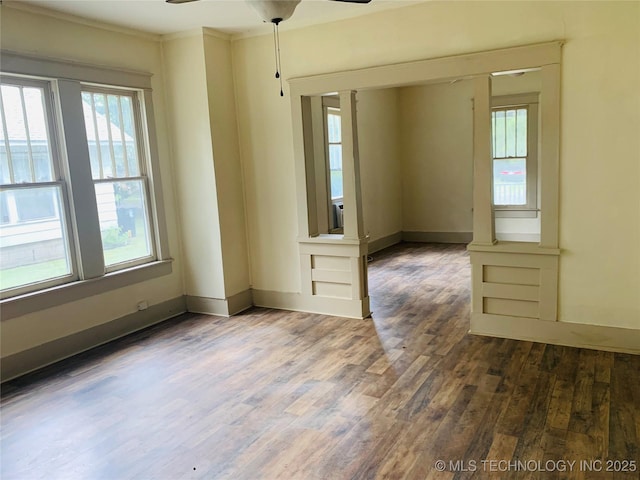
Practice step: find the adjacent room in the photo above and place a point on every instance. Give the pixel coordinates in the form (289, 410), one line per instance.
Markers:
(319, 239)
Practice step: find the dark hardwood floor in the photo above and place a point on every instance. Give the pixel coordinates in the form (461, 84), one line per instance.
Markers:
(282, 395)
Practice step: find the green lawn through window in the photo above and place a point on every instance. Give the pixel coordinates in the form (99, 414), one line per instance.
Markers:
(38, 272)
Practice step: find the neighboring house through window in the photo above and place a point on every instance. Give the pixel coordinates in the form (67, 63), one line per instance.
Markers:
(75, 166)
(34, 239)
(118, 175)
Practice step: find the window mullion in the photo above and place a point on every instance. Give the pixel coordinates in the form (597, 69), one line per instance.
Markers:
(18, 186)
(515, 136)
(83, 198)
(493, 135)
(27, 135)
(95, 129)
(125, 156)
(504, 128)
(110, 137)
(7, 143)
(98, 181)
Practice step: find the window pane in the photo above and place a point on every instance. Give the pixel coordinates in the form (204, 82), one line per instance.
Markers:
(4, 209)
(510, 133)
(499, 134)
(107, 163)
(20, 162)
(335, 170)
(334, 128)
(336, 184)
(5, 175)
(16, 134)
(90, 126)
(25, 151)
(33, 241)
(33, 99)
(111, 135)
(510, 182)
(335, 157)
(35, 204)
(124, 222)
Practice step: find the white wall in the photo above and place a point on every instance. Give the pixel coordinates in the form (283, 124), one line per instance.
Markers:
(226, 155)
(201, 100)
(600, 208)
(264, 120)
(436, 147)
(193, 165)
(34, 34)
(600, 166)
(381, 181)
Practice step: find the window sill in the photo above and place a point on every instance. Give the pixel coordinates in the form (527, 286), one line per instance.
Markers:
(531, 248)
(515, 213)
(69, 292)
(329, 238)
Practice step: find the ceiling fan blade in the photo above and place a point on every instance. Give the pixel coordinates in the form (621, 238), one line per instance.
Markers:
(180, 1)
(353, 1)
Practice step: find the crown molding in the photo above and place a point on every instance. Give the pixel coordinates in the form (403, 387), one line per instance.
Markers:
(37, 10)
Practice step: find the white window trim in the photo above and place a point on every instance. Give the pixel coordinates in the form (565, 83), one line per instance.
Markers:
(57, 181)
(67, 77)
(531, 209)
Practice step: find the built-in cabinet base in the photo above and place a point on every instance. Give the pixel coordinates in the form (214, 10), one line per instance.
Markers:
(514, 279)
(334, 275)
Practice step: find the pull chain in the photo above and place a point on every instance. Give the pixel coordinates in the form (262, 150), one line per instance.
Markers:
(275, 50)
(276, 46)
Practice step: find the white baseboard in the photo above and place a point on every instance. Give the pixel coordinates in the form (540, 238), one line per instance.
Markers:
(437, 237)
(297, 302)
(597, 337)
(26, 361)
(579, 335)
(240, 302)
(384, 242)
(224, 307)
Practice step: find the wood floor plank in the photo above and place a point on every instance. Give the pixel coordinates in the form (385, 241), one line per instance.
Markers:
(287, 395)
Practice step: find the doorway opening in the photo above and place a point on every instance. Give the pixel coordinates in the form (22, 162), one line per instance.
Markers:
(444, 160)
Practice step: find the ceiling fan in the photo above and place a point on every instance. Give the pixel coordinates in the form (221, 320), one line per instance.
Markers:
(275, 11)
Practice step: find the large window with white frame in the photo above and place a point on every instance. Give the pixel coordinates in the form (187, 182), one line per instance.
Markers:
(48, 235)
(118, 175)
(35, 251)
(514, 122)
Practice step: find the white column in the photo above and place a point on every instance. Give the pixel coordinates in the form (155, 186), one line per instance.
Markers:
(483, 216)
(549, 155)
(352, 197)
(82, 194)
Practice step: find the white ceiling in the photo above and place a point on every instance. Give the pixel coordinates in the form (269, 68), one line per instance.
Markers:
(230, 16)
